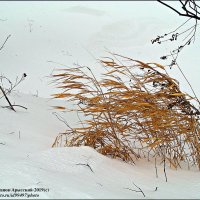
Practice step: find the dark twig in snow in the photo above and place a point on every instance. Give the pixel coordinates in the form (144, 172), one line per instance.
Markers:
(4, 42)
(12, 108)
(156, 168)
(165, 168)
(60, 118)
(140, 190)
(164, 161)
(87, 165)
(20, 106)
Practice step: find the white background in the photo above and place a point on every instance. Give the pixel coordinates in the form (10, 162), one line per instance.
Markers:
(78, 32)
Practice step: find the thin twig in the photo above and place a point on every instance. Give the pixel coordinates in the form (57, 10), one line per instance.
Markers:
(15, 106)
(12, 86)
(11, 106)
(4, 42)
(20, 106)
(60, 118)
(140, 190)
(164, 161)
(186, 80)
(191, 12)
(86, 165)
(156, 168)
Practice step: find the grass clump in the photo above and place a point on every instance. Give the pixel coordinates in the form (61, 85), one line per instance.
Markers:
(135, 110)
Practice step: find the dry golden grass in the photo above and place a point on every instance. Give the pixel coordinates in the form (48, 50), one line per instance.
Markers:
(136, 110)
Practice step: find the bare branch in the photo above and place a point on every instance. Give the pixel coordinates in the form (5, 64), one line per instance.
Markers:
(187, 12)
(191, 11)
(170, 7)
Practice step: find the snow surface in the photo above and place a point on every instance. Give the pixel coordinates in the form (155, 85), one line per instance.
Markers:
(79, 32)
(70, 32)
(28, 161)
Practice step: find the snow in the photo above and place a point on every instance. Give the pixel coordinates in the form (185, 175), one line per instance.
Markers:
(53, 31)
(57, 34)
(28, 161)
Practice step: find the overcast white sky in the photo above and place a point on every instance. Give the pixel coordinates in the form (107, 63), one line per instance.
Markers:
(65, 32)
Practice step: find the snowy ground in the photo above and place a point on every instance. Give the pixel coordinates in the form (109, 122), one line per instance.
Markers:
(29, 162)
(78, 32)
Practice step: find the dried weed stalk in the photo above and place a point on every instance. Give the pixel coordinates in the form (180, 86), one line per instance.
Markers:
(134, 110)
